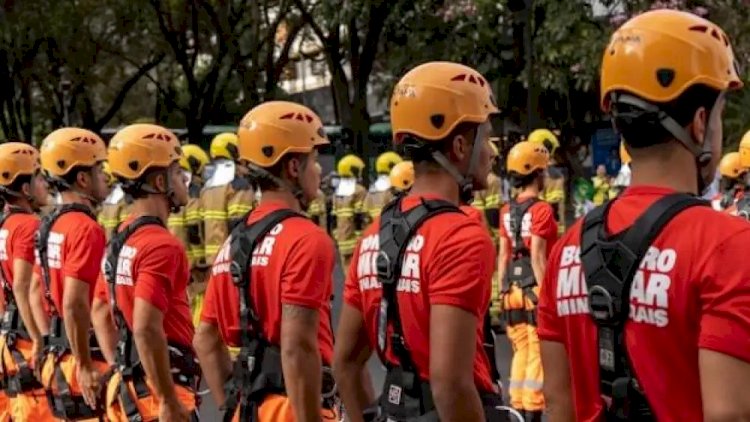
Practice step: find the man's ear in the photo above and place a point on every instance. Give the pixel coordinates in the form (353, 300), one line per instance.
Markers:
(83, 178)
(698, 125)
(26, 189)
(293, 167)
(160, 182)
(459, 147)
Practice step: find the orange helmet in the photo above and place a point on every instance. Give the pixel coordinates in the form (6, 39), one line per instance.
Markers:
(433, 98)
(526, 157)
(17, 159)
(70, 147)
(659, 54)
(136, 148)
(273, 129)
(730, 166)
(624, 154)
(402, 176)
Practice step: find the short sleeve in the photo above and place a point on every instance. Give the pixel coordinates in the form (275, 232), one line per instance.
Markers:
(725, 299)
(100, 290)
(352, 294)
(23, 240)
(157, 269)
(208, 311)
(84, 252)
(549, 324)
(543, 222)
(460, 271)
(307, 277)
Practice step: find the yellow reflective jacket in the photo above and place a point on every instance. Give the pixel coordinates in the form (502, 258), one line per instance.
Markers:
(317, 210)
(112, 211)
(349, 214)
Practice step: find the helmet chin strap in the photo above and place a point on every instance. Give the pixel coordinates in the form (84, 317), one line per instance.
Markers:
(702, 153)
(465, 182)
(168, 193)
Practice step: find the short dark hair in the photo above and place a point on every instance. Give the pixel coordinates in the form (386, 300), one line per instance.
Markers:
(16, 186)
(261, 180)
(420, 151)
(519, 181)
(134, 188)
(642, 129)
(68, 179)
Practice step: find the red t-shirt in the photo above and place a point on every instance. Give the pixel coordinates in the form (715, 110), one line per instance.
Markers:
(450, 261)
(539, 220)
(74, 249)
(153, 267)
(17, 242)
(690, 293)
(292, 266)
(472, 213)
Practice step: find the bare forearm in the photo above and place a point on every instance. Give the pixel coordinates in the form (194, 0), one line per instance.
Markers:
(21, 294)
(41, 319)
(457, 402)
(559, 411)
(105, 330)
(351, 386)
(216, 365)
(301, 365)
(77, 319)
(151, 343)
(539, 266)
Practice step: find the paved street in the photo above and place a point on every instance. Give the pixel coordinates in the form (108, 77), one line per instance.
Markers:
(209, 411)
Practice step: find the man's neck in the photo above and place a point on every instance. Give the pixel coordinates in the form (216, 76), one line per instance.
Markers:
(151, 206)
(528, 192)
(19, 204)
(437, 183)
(73, 197)
(283, 196)
(684, 180)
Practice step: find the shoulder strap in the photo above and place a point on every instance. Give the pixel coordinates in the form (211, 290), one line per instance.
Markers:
(43, 237)
(244, 239)
(4, 280)
(396, 229)
(609, 265)
(517, 211)
(116, 243)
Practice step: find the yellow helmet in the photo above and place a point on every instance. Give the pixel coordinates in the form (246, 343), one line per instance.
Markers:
(136, 148)
(17, 159)
(624, 154)
(224, 145)
(350, 166)
(402, 176)
(730, 166)
(546, 138)
(194, 159)
(745, 150)
(527, 157)
(385, 162)
(495, 151)
(108, 171)
(433, 98)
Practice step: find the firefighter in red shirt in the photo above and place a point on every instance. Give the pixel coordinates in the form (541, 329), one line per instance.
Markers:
(146, 274)
(528, 230)
(270, 286)
(419, 285)
(24, 190)
(69, 248)
(644, 312)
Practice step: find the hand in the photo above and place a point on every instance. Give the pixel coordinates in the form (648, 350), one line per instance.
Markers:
(172, 410)
(37, 359)
(90, 381)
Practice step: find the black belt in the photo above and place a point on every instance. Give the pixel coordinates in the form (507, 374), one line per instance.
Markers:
(23, 380)
(513, 317)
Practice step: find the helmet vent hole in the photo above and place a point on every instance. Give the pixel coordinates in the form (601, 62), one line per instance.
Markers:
(459, 78)
(665, 77)
(437, 120)
(527, 166)
(61, 164)
(287, 116)
(133, 165)
(699, 28)
(321, 132)
(715, 34)
(6, 175)
(267, 151)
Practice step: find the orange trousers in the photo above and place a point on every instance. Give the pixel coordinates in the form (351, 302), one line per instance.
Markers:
(278, 408)
(526, 375)
(4, 408)
(69, 366)
(30, 405)
(148, 406)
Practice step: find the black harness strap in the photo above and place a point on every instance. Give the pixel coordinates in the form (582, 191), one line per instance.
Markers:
(610, 263)
(520, 272)
(185, 370)
(63, 403)
(13, 329)
(743, 206)
(405, 395)
(257, 370)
